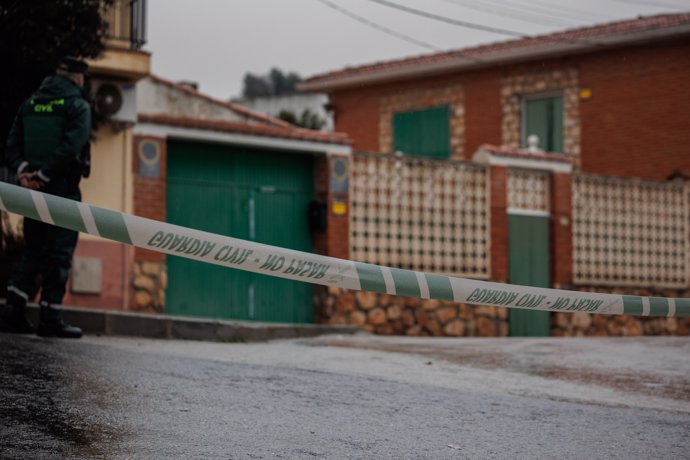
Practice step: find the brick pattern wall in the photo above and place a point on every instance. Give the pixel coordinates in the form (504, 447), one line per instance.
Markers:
(636, 122)
(149, 194)
(116, 261)
(499, 224)
(516, 87)
(561, 230)
(338, 225)
(483, 110)
(320, 238)
(451, 95)
(149, 278)
(335, 240)
(356, 112)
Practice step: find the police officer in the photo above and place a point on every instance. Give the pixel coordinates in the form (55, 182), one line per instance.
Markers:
(46, 147)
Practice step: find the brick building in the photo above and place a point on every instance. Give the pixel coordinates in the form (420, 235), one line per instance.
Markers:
(622, 90)
(606, 100)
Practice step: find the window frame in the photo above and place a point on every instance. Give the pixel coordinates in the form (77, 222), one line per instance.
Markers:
(523, 118)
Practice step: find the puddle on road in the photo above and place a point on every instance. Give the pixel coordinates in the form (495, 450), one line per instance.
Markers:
(645, 384)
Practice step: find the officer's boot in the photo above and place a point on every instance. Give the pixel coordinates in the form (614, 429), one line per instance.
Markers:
(51, 324)
(13, 319)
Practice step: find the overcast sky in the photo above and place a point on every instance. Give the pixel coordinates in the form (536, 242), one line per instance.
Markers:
(215, 42)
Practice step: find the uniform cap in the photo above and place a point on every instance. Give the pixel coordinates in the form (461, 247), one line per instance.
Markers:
(72, 64)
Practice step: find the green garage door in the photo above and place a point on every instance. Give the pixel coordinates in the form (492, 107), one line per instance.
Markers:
(249, 194)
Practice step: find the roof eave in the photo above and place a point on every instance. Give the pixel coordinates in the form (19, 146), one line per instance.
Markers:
(205, 134)
(509, 56)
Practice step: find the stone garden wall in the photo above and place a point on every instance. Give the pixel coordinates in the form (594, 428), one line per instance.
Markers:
(149, 280)
(394, 315)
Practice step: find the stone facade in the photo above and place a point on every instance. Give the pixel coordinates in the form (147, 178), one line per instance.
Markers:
(149, 281)
(588, 325)
(451, 95)
(394, 315)
(515, 88)
(150, 192)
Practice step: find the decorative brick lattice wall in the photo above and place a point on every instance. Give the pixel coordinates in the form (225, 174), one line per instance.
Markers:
(399, 101)
(529, 190)
(420, 214)
(378, 185)
(515, 88)
(630, 232)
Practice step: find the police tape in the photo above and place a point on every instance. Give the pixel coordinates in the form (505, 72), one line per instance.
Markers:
(328, 271)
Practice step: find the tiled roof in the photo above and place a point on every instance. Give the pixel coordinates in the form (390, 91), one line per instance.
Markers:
(590, 37)
(254, 129)
(234, 107)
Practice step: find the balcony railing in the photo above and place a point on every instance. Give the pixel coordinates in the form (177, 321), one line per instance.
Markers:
(127, 23)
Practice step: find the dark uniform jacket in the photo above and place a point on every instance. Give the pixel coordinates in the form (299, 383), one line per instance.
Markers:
(49, 135)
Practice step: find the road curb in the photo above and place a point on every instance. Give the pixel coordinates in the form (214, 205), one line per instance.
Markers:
(108, 322)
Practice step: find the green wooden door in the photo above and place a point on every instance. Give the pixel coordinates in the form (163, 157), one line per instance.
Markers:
(529, 265)
(250, 194)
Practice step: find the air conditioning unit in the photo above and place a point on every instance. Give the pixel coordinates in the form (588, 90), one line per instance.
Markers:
(117, 101)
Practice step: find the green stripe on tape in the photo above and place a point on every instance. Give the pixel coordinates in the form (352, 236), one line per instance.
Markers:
(111, 225)
(632, 305)
(65, 213)
(18, 200)
(405, 283)
(370, 277)
(658, 306)
(439, 287)
(682, 308)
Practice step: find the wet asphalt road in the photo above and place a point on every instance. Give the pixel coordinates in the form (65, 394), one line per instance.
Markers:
(348, 397)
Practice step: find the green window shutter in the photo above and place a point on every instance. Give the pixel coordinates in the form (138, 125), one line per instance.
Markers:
(423, 132)
(544, 117)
